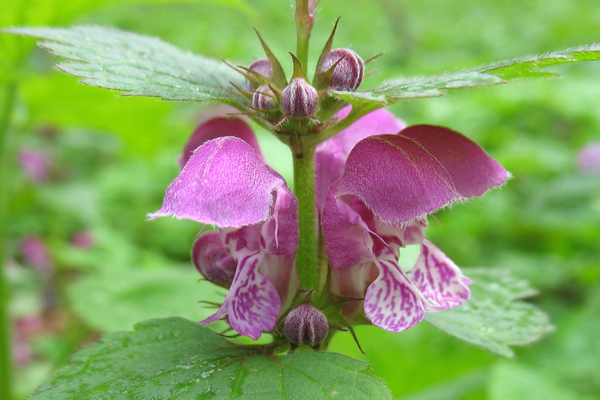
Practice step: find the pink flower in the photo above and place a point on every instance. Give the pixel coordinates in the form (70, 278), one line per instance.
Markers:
(375, 183)
(588, 159)
(379, 204)
(35, 164)
(227, 184)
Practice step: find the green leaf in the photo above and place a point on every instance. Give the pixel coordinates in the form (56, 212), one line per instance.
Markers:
(138, 65)
(494, 317)
(174, 358)
(510, 380)
(485, 75)
(111, 302)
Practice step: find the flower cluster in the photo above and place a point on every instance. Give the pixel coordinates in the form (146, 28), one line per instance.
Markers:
(375, 182)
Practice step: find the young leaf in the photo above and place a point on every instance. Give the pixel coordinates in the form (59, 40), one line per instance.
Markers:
(485, 75)
(494, 317)
(176, 358)
(138, 65)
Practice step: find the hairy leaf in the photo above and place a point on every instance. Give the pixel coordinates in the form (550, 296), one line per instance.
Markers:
(398, 89)
(495, 317)
(138, 65)
(174, 358)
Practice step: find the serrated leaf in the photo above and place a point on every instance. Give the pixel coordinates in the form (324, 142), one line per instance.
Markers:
(174, 358)
(398, 89)
(495, 317)
(136, 64)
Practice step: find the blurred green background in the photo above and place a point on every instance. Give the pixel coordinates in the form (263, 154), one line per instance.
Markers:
(82, 260)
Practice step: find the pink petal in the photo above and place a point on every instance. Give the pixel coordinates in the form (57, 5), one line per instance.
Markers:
(347, 239)
(392, 302)
(396, 178)
(35, 164)
(252, 303)
(331, 155)
(213, 259)
(215, 128)
(439, 279)
(279, 241)
(588, 158)
(472, 170)
(224, 183)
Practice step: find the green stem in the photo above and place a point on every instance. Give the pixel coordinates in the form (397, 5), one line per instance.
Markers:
(6, 376)
(307, 259)
(356, 114)
(305, 18)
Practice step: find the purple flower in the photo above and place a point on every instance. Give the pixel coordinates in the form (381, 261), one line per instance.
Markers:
(35, 164)
(227, 184)
(588, 158)
(375, 183)
(379, 204)
(35, 253)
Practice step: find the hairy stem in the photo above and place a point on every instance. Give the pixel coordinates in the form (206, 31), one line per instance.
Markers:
(305, 18)
(304, 188)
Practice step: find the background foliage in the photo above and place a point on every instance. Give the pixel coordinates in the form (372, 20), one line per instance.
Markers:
(112, 157)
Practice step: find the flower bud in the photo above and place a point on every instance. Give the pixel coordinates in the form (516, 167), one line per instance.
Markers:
(306, 325)
(299, 98)
(263, 98)
(263, 67)
(213, 260)
(347, 73)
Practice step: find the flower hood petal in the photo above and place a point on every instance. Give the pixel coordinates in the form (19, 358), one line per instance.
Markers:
(396, 177)
(331, 155)
(472, 170)
(224, 183)
(215, 128)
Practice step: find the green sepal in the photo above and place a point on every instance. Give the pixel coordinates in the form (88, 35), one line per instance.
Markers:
(320, 81)
(278, 78)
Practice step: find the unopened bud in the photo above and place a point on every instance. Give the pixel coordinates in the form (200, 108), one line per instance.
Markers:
(263, 98)
(347, 73)
(263, 67)
(213, 260)
(306, 325)
(299, 98)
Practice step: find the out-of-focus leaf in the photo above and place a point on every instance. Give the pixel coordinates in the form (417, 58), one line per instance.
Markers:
(574, 351)
(414, 360)
(456, 389)
(110, 302)
(398, 89)
(495, 317)
(510, 381)
(175, 358)
(138, 65)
